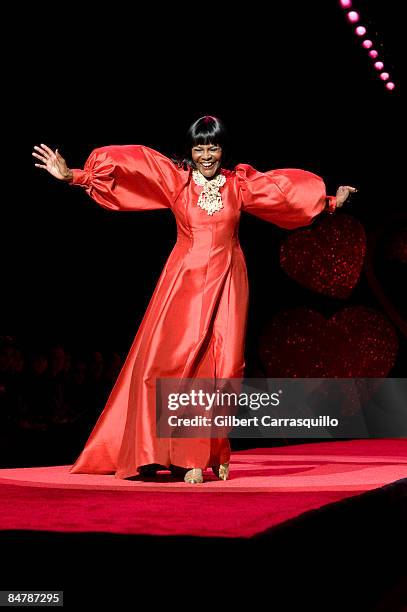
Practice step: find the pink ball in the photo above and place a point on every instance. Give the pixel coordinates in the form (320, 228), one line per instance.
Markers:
(373, 53)
(367, 44)
(390, 86)
(360, 30)
(345, 3)
(353, 16)
(384, 76)
(378, 65)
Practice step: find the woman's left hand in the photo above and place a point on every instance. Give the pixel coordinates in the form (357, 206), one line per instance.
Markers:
(343, 193)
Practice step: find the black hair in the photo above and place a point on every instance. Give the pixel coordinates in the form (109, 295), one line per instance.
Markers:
(205, 130)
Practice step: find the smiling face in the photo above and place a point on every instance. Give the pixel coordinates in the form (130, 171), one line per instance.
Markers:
(207, 159)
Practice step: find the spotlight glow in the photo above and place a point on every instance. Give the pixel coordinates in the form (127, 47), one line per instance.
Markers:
(367, 44)
(353, 16)
(373, 54)
(390, 85)
(360, 30)
(379, 65)
(384, 76)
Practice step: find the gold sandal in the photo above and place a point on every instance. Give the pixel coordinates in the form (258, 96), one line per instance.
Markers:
(221, 471)
(194, 476)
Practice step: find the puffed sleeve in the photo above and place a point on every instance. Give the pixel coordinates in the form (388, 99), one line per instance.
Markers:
(130, 177)
(289, 198)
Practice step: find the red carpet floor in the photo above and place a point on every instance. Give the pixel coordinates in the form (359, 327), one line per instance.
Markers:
(266, 488)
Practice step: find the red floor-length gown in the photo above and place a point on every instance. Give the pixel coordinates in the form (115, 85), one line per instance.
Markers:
(195, 323)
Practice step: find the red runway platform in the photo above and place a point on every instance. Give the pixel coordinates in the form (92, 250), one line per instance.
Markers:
(267, 487)
(318, 525)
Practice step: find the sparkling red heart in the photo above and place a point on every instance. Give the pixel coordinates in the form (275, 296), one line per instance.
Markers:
(328, 257)
(355, 342)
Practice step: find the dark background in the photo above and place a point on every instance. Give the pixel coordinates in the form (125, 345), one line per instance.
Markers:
(296, 90)
(292, 84)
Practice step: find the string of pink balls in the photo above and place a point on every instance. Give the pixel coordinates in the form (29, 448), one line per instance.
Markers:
(360, 30)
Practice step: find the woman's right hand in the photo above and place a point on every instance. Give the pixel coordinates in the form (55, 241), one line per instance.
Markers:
(53, 162)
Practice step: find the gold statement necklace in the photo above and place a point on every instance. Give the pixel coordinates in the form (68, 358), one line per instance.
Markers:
(210, 198)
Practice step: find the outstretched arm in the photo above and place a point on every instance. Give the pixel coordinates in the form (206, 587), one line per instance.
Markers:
(121, 177)
(288, 197)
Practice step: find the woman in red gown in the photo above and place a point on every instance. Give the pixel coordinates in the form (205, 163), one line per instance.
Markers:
(195, 323)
